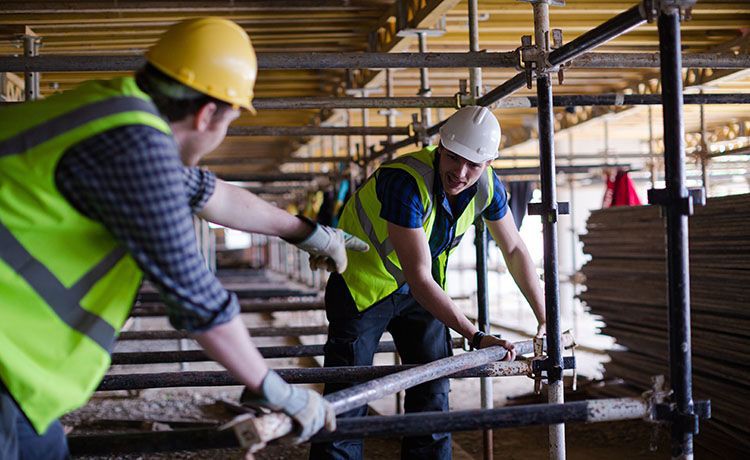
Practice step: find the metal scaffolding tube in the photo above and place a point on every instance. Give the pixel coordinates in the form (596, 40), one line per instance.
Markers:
(273, 426)
(246, 306)
(191, 356)
(346, 374)
(590, 411)
(31, 79)
(284, 331)
(524, 102)
(480, 237)
(356, 60)
(677, 208)
(243, 293)
(549, 214)
(424, 82)
(315, 131)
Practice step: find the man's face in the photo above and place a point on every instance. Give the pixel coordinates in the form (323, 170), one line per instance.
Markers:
(457, 173)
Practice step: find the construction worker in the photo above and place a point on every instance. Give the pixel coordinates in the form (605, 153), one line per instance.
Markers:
(413, 212)
(98, 187)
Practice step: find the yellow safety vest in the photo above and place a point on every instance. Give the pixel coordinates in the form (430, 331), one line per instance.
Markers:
(373, 275)
(66, 284)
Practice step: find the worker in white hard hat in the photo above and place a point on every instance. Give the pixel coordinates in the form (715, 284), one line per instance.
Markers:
(98, 188)
(413, 212)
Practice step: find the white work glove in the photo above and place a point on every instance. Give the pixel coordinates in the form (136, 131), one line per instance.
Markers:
(327, 247)
(308, 409)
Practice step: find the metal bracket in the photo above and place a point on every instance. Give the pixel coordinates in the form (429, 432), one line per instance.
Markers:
(550, 2)
(696, 197)
(551, 213)
(653, 8)
(555, 372)
(419, 129)
(685, 422)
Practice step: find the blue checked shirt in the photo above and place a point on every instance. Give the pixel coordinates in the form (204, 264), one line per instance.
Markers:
(131, 179)
(401, 204)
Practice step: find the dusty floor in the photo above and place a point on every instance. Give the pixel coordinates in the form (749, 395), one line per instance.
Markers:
(111, 411)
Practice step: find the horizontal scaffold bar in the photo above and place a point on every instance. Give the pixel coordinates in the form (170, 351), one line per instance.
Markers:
(346, 374)
(589, 411)
(290, 331)
(354, 60)
(246, 306)
(186, 356)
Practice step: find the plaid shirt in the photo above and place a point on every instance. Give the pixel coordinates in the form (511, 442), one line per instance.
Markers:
(131, 179)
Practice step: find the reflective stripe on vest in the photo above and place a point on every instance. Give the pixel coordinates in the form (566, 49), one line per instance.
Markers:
(78, 117)
(64, 301)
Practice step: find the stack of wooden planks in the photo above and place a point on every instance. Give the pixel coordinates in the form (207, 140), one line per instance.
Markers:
(626, 285)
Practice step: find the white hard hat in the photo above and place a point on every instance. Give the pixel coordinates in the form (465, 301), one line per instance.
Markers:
(472, 133)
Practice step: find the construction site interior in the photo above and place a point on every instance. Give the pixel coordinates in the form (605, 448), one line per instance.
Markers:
(344, 85)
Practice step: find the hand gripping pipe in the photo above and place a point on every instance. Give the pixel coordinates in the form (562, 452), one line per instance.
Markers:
(255, 432)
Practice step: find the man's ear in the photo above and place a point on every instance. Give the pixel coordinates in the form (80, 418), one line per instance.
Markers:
(204, 116)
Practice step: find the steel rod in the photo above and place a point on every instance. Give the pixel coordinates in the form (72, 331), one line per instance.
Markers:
(316, 131)
(508, 59)
(156, 309)
(590, 411)
(549, 214)
(243, 293)
(189, 356)
(678, 274)
(521, 102)
(291, 331)
(347, 374)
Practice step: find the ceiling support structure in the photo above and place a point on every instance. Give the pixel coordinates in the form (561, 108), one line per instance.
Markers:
(346, 60)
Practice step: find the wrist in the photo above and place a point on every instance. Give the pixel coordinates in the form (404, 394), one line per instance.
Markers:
(302, 231)
(476, 339)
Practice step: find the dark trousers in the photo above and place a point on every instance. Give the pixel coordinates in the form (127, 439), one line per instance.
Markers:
(19, 441)
(353, 337)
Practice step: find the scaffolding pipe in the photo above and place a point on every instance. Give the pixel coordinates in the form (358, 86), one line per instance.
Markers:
(549, 214)
(275, 425)
(31, 79)
(246, 306)
(191, 356)
(424, 83)
(357, 60)
(306, 375)
(480, 236)
(242, 293)
(589, 411)
(677, 208)
(315, 131)
(520, 102)
(284, 331)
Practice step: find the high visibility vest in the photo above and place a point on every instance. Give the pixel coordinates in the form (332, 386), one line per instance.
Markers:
(373, 275)
(66, 284)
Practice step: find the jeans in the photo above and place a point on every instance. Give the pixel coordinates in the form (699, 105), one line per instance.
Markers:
(353, 337)
(19, 440)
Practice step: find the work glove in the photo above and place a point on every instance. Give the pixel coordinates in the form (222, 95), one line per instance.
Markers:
(308, 409)
(327, 247)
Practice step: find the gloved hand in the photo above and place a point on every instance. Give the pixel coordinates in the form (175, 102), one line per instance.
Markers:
(327, 247)
(308, 409)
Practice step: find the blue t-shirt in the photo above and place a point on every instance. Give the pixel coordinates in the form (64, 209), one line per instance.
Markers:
(401, 205)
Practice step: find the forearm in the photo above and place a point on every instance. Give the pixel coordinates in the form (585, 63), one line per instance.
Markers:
(237, 208)
(230, 345)
(524, 274)
(429, 294)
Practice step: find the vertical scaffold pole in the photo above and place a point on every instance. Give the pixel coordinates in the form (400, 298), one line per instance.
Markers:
(480, 239)
(677, 209)
(549, 226)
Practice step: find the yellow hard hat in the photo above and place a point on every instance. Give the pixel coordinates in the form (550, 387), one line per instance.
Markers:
(211, 55)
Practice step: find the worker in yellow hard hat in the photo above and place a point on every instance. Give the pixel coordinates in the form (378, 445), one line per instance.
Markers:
(98, 187)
